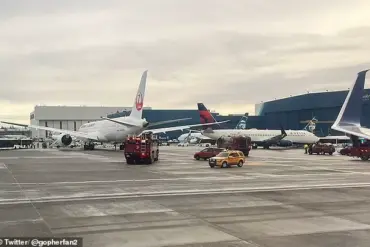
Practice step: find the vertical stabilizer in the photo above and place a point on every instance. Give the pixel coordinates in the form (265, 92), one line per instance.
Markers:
(242, 123)
(205, 115)
(351, 111)
(137, 108)
(311, 125)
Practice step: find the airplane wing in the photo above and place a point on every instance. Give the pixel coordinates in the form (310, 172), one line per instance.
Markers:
(169, 129)
(277, 138)
(168, 121)
(77, 134)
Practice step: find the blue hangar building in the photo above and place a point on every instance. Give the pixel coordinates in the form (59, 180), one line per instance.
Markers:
(295, 112)
(291, 113)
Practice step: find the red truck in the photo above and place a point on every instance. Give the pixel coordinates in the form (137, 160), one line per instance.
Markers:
(141, 149)
(239, 142)
(362, 152)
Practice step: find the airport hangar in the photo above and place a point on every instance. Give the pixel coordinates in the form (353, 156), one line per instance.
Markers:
(292, 113)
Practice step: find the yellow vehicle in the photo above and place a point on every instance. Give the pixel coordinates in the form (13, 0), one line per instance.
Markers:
(227, 159)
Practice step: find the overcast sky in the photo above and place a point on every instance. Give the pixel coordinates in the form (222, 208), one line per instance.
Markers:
(227, 54)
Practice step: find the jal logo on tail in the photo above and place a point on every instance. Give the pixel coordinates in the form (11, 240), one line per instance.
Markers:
(139, 101)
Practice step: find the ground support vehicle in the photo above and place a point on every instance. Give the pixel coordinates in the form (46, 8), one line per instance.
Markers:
(227, 159)
(241, 143)
(360, 152)
(207, 153)
(345, 150)
(142, 149)
(320, 148)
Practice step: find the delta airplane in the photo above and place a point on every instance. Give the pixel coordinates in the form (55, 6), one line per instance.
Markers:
(264, 138)
(114, 130)
(349, 117)
(195, 136)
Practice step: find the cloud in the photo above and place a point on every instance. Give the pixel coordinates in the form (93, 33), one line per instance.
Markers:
(229, 56)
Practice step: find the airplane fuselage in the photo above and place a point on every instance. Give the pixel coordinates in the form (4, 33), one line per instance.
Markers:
(295, 136)
(108, 131)
(193, 136)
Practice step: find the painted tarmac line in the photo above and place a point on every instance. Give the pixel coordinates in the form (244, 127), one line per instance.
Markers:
(235, 190)
(239, 177)
(245, 176)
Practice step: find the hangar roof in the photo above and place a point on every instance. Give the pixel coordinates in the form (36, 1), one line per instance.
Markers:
(307, 101)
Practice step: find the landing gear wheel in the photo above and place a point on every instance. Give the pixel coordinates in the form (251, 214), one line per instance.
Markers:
(151, 159)
(89, 147)
(364, 157)
(224, 165)
(240, 164)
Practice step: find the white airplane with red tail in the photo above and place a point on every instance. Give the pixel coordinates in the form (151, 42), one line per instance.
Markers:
(114, 130)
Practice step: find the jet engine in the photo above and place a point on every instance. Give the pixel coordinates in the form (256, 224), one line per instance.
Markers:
(284, 143)
(63, 140)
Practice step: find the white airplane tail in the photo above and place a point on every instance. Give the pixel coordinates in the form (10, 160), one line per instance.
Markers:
(137, 108)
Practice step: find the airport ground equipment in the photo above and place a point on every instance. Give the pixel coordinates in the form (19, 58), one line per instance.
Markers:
(362, 152)
(321, 148)
(241, 143)
(142, 149)
(227, 159)
(345, 150)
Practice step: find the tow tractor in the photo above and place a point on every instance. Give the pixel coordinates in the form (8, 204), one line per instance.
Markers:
(143, 149)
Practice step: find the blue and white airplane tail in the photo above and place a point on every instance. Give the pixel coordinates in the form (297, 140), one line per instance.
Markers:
(242, 124)
(311, 125)
(349, 117)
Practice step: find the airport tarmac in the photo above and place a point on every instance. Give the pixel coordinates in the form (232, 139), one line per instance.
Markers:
(278, 199)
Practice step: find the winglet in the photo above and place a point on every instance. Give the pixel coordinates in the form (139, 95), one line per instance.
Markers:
(137, 108)
(350, 113)
(283, 133)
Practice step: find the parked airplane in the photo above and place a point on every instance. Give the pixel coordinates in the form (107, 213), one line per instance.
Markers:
(114, 130)
(192, 137)
(349, 117)
(195, 136)
(264, 138)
